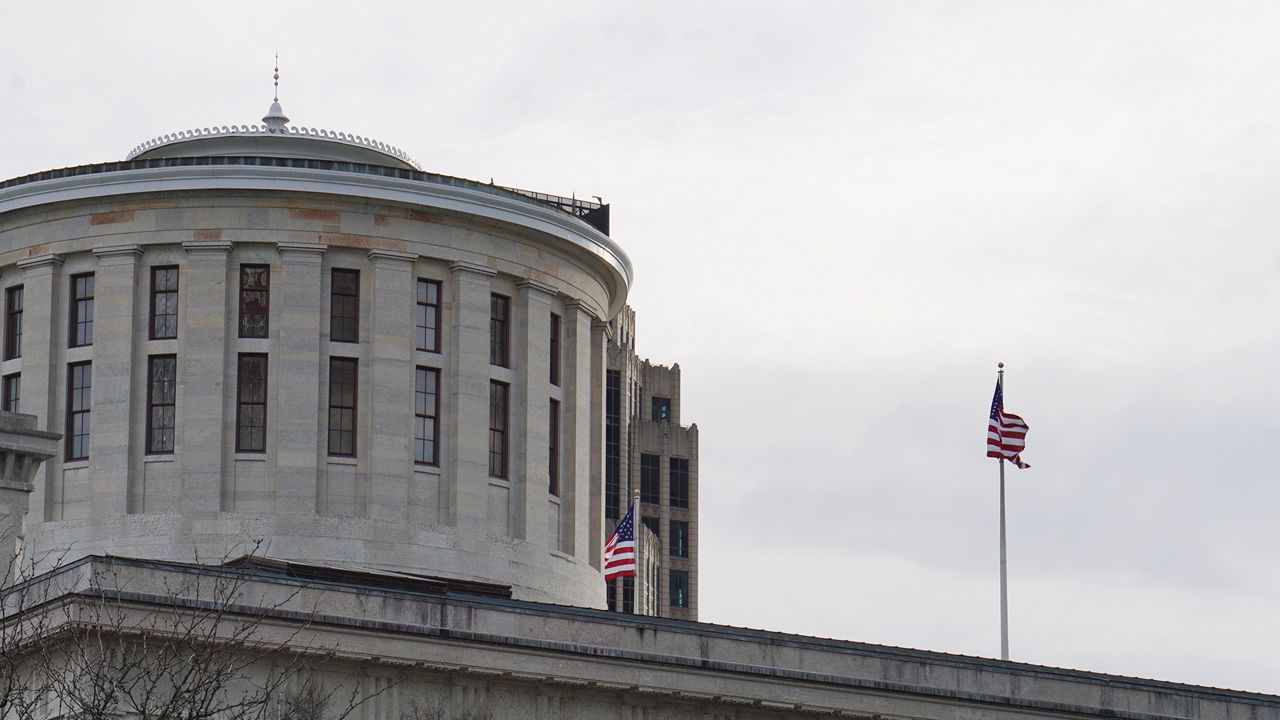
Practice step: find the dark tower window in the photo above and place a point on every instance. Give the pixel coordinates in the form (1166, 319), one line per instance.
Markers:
(251, 403)
(344, 306)
(13, 322)
(426, 409)
(81, 330)
(79, 419)
(164, 302)
(429, 315)
(498, 429)
(255, 300)
(500, 330)
(162, 393)
(343, 375)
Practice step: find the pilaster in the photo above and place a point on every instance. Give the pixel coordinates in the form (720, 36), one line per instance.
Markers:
(467, 481)
(41, 304)
(115, 282)
(204, 387)
(576, 458)
(596, 382)
(391, 385)
(530, 413)
(297, 381)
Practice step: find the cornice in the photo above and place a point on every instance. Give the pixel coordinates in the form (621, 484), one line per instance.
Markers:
(49, 260)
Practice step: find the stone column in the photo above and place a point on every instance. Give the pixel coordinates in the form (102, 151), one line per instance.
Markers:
(391, 385)
(596, 381)
(41, 304)
(297, 385)
(115, 281)
(576, 458)
(22, 449)
(530, 413)
(204, 387)
(467, 479)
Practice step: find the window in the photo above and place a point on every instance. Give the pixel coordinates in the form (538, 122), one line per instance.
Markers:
(342, 406)
(649, 493)
(661, 409)
(499, 330)
(679, 584)
(79, 391)
(553, 449)
(251, 403)
(426, 408)
(81, 330)
(679, 480)
(555, 349)
(429, 315)
(679, 538)
(611, 594)
(164, 302)
(255, 300)
(629, 594)
(344, 306)
(652, 524)
(498, 429)
(13, 322)
(162, 392)
(11, 395)
(612, 443)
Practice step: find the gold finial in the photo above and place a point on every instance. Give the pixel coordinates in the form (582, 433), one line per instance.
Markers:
(635, 494)
(1000, 365)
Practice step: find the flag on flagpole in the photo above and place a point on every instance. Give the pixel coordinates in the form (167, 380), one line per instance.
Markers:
(1006, 432)
(620, 549)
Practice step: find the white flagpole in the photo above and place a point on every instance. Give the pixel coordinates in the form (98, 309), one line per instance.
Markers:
(635, 535)
(1004, 563)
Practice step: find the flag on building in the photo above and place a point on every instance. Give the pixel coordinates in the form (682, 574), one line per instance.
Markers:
(1006, 432)
(620, 549)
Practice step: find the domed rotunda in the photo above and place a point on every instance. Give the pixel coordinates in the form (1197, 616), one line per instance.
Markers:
(295, 337)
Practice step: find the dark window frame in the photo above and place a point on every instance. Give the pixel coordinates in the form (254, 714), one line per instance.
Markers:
(80, 314)
(679, 537)
(426, 309)
(499, 429)
(678, 480)
(612, 445)
(353, 408)
(153, 316)
(334, 297)
(434, 416)
(8, 401)
(555, 349)
(13, 322)
(678, 588)
(85, 411)
(265, 290)
(152, 405)
(660, 408)
(499, 330)
(553, 448)
(241, 403)
(650, 478)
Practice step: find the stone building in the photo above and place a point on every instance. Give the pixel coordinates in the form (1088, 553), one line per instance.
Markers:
(648, 451)
(317, 403)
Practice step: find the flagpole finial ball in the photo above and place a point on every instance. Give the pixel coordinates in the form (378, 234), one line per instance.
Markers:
(1000, 365)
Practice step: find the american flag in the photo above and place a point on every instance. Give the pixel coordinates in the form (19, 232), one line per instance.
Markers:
(1006, 432)
(620, 549)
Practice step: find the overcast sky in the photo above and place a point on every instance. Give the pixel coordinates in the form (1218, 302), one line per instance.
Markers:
(842, 215)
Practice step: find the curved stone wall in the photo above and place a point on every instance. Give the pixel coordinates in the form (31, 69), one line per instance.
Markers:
(378, 507)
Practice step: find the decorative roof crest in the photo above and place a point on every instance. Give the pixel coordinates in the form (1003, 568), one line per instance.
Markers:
(275, 119)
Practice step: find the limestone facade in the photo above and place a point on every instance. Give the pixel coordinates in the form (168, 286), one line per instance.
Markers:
(375, 500)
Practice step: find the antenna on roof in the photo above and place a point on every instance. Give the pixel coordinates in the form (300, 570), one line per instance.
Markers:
(276, 77)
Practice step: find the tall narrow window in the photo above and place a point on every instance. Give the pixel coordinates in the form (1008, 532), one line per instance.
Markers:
(13, 322)
(255, 300)
(426, 432)
(555, 349)
(652, 524)
(344, 306)
(679, 538)
(79, 392)
(679, 480)
(498, 429)
(12, 393)
(553, 449)
(81, 330)
(629, 594)
(429, 315)
(612, 444)
(343, 375)
(162, 394)
(251, 403)
(164, 302)
(679, 584)
(649, 493)
(500, 330)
